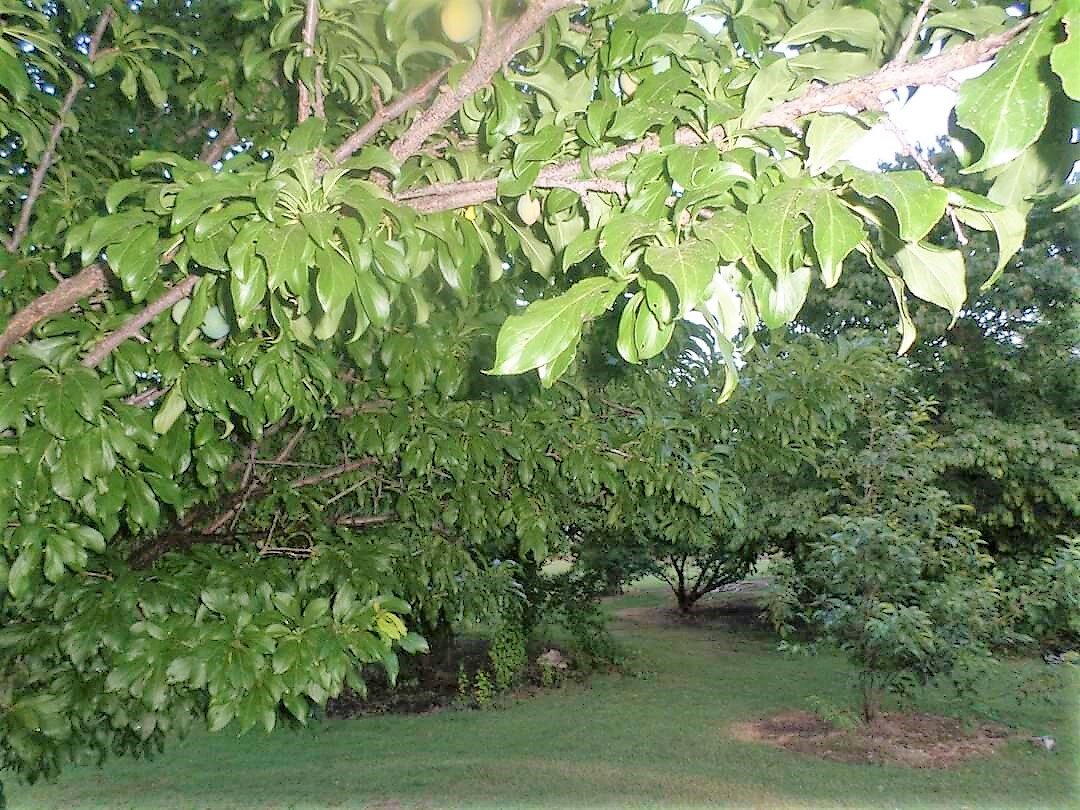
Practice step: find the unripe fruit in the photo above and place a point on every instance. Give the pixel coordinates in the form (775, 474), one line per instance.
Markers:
(461, 20)
(215, 326)
(528, 209)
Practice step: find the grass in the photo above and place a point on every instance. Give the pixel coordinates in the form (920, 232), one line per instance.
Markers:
(653, 739)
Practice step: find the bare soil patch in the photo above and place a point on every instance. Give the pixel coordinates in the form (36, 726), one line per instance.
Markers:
(911, 740)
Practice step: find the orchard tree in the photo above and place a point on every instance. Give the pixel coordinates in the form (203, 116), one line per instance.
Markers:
(233, 225)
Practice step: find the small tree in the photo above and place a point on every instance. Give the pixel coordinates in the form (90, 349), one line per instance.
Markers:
(894, 580)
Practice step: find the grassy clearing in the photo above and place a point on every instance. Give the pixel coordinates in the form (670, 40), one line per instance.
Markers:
(654, 739)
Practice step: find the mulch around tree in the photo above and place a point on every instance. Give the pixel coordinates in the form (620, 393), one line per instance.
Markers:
(907, 739)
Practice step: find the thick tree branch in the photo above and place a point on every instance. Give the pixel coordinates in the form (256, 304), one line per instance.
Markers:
(66, 295)
(384, 115)
(37, 178)
(489, 61)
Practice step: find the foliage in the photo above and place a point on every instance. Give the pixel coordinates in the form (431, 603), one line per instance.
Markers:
(1043, 594)
(240, 400)
(895, 581)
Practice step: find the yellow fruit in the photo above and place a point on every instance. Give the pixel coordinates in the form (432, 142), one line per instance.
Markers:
(461, 20)
(627, 84)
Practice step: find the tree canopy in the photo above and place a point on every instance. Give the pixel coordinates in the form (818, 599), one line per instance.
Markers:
(266, 261)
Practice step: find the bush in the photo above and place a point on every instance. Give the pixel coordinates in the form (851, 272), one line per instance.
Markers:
(1042, 594)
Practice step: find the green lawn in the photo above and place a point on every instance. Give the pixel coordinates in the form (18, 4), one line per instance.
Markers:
(653, 739)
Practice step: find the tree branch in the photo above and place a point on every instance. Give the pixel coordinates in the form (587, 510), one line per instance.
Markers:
(63, 297)
(383, 115)
(177, 292)
(912, 36)
(37, 179)
(311, 21)
(862, 93)
(856, 95)
(215, 150)
(489, 61)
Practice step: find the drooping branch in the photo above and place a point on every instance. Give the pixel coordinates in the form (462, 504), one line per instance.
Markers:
(855, 95)
(489, 60)
(37, 178)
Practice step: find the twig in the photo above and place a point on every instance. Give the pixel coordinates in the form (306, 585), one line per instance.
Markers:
(37, 178)
(362, 521)
(333, 472)
(912, 36)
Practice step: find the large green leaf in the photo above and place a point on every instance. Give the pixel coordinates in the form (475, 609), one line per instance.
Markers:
(828, 138)
(776, 223)
(1065, 60)
(935, 275)
(549, 326)
(852, 25)
(780, 298)
(689, 266)
(918, 203)
(1007, 106)
(836, 233)
(287, 252)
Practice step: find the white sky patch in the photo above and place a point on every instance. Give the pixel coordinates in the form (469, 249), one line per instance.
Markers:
(923, 118)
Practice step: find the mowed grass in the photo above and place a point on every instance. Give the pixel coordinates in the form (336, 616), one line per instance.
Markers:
(656, 738)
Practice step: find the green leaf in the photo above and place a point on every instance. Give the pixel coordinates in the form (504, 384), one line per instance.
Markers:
(82, 388)
(621, 232)
(121, 190)
(836, 233)
(548, 327)
(23, 570)
(852, 25)
(776, 223)
(1009, 226)
(690, 268)
(13, 77)
(935, 275)
(1007, 106)
(828, 138)
(335, 280)
(780, 299)
(729, 230)
(918, 203)
(170, 410)
(1065, 59)
(287, 253)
